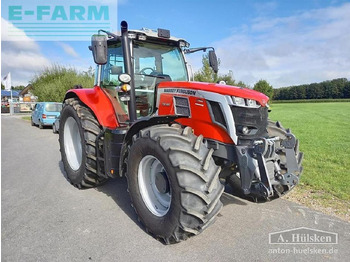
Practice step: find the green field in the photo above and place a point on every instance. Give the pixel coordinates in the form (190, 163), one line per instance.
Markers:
(324, 133)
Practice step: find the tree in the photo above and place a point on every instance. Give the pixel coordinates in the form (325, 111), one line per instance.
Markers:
(264, 87)
(206, 73)
(52, 83)
(336, 88)
(18, 88)
(346, 90)
(242, 84)
(227, 78)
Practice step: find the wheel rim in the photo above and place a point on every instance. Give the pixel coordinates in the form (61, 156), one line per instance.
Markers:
(72, 143)
(154, 185)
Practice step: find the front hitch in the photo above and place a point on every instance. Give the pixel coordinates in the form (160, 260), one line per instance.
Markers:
(269, 166)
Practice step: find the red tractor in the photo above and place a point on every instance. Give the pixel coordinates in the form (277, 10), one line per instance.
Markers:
(177, 142)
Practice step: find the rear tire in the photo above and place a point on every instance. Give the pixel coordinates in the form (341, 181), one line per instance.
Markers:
(40, 125)
(173, 182)
(31, 122)
(77, 135)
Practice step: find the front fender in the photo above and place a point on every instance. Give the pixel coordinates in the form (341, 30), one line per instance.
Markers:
(97, 100)
(149, 121)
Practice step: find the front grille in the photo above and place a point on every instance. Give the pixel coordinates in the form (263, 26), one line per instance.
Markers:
(253, 118)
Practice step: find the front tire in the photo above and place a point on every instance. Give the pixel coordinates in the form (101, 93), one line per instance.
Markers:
(77, 136)
(173, 182)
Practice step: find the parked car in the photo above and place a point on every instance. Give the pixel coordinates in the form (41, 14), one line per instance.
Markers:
(56, 125)
(45, 113)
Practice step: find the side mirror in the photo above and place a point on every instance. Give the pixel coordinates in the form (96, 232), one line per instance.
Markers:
(213, 61)
(99, 49)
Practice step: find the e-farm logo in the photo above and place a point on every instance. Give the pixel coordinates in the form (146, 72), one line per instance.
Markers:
(57, 20)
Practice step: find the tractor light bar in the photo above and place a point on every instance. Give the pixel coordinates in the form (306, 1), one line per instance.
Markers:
(132, 35)
(184, 44)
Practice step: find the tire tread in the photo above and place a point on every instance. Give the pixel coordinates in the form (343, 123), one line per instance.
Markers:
(91, 129)
(200, 201)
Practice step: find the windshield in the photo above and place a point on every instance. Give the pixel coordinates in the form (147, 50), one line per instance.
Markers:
(53, 107)
(154, 63)
(160, 61)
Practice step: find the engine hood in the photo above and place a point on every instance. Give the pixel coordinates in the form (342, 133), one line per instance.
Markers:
(220, 89)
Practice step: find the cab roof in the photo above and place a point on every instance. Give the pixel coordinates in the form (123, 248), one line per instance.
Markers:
(155, 34)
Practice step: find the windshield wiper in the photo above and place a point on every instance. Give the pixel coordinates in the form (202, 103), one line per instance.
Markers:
(157, 76)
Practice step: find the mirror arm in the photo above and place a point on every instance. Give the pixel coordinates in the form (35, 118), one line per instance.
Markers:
(193, 50)
(117, 37)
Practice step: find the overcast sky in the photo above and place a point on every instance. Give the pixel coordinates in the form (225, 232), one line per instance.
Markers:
(285, 42)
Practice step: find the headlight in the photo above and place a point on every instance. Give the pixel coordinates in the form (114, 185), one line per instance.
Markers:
(245, 130)
(238, 101)
(251, 103)
(124, 78)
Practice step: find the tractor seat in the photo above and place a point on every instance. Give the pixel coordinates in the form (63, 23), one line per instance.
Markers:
(116, 70)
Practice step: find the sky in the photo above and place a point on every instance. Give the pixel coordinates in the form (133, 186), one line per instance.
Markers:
(286, 43)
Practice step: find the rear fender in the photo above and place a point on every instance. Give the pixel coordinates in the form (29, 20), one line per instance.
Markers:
(97, 100)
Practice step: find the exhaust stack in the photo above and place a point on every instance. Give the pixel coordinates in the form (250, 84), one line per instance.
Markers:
(129, 69)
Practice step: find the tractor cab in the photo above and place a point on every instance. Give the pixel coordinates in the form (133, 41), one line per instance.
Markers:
(148, 57)
(156, 57)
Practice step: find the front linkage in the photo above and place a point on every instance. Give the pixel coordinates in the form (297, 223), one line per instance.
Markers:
(268, 167)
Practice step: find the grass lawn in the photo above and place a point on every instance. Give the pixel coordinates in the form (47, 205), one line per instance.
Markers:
(28, 118)
(324, 133)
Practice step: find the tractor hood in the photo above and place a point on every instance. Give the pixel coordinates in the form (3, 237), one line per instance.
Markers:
(220, 89)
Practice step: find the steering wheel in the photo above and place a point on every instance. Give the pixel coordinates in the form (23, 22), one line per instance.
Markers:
(142, 71)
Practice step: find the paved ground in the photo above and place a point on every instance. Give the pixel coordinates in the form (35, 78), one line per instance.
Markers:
(44, 218)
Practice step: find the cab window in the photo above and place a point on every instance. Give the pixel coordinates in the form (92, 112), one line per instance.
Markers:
(114, 66)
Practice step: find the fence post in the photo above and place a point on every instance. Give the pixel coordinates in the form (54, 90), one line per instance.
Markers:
(11, 108)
